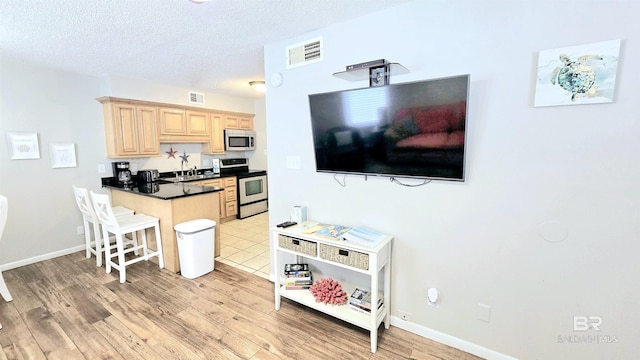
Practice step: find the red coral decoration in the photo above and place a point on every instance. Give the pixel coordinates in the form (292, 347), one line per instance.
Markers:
(328, 291)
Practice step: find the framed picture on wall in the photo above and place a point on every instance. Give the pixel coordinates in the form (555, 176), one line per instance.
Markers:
(583, 74)
(62, 155)
(23, 145)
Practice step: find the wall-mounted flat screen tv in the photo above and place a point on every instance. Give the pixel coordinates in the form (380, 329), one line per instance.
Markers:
(413, 130)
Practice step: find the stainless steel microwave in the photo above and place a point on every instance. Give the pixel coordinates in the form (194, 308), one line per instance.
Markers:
(239, 140)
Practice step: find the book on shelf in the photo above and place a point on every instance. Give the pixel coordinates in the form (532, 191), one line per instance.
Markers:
(362, 298)
(296, 281)
(366, 65)
(366, 306)
(297, 287)
(363, 236)
(295, 267)
(298, 274)
(363, 309)
(329, 231)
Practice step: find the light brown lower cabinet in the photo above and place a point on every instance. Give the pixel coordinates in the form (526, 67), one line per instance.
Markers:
(228, 198)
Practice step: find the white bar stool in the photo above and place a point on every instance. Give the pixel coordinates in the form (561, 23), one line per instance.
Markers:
(126, 224)
(4, 207)
(89, 217)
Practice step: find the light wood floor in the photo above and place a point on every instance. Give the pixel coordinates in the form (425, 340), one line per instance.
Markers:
(67, 308)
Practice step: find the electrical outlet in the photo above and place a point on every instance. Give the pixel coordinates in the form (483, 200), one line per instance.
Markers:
(484, 312)
(404, 315)
(433, 297)
(101, 169)
(80, 230)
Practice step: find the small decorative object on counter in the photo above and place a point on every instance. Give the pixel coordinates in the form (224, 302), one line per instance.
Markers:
(328, 291)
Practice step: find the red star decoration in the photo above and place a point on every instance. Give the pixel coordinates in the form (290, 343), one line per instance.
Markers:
(171, 152)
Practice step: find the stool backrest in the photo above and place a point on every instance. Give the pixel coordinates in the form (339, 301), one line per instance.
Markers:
(84, 203)
(4, 207)
(103, 210)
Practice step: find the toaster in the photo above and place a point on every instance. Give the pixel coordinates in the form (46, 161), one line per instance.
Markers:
(148, 176)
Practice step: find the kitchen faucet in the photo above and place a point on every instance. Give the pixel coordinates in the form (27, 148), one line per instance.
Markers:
(190, 172)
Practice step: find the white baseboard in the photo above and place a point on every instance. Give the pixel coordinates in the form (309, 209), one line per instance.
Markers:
(43, 257)
(449, 340)
(443, 338)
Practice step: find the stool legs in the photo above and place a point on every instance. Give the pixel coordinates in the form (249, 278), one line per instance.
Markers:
(122, 264)
(159, 246)
(121, 261)
(107, 252)
(4, 291)
(87, 237)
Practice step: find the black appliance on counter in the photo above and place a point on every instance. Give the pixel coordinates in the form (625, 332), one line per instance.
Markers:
(148, 176)
(252, 186)
(121, 173)
(147, 181)
(148, 187)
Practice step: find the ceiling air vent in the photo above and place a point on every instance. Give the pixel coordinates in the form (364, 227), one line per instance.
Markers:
(196, 98)
(304, 53)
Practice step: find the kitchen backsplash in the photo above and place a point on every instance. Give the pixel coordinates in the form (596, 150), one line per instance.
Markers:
(166, 163)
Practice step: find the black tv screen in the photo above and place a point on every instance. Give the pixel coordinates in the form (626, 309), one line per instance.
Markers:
(414, 130)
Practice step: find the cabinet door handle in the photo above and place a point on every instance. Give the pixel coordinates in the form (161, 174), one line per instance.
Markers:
(343, 252)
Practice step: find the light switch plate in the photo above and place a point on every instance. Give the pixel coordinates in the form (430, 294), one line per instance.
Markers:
(484, 312)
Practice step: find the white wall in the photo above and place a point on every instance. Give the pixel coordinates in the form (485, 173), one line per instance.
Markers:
(62, 108)
(530, 171)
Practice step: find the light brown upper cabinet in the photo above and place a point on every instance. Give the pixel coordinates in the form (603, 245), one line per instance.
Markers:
(135, 128)
(179, 125)
(216, 138)
(131, 130)
(238, 122)
(198, 123)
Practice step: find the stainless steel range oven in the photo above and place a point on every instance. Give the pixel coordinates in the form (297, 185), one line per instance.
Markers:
(252, 186)
(252, 194)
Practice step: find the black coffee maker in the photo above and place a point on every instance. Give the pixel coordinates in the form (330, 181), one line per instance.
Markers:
(122, 173)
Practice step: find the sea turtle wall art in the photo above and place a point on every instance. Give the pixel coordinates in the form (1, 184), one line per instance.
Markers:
(583, 74)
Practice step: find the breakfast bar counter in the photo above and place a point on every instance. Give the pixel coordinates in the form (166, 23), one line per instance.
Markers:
(172, 204)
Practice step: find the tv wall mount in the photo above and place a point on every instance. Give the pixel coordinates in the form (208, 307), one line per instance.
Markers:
(378, 71)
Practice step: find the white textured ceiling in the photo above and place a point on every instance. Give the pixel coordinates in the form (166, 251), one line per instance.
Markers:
(215, 47)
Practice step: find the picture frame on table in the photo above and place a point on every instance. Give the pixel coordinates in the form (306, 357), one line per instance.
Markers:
(23, 145)
(63, 155)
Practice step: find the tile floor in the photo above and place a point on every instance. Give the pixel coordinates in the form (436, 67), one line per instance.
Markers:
(244, 244)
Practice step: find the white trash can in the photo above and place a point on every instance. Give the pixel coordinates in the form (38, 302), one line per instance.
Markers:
(196, 240)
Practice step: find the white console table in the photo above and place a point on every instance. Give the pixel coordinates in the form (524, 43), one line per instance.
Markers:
(342, 255)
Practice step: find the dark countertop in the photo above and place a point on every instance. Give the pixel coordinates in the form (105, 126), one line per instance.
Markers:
(167, 189)
(164, 191)
(170, 177)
